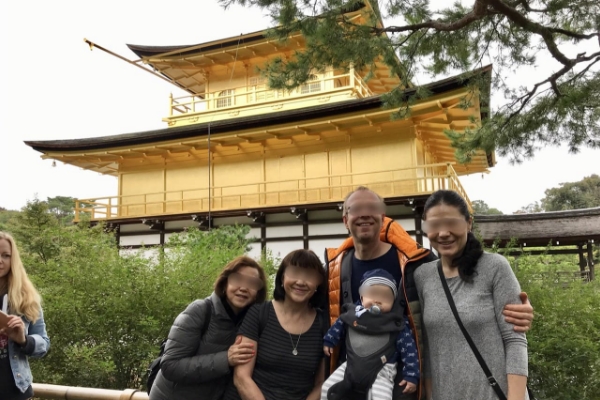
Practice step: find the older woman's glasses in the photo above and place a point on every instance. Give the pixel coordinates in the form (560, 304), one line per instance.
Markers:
(240, 280)
(444, 224)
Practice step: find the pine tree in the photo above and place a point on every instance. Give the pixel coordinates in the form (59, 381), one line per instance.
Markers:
(446, 38)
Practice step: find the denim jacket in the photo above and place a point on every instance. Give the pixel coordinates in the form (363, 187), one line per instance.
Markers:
(37, 346)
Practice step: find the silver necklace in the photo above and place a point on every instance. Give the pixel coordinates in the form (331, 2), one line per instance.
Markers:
(295, 348)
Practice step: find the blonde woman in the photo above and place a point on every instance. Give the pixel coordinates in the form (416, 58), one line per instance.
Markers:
(22, 328)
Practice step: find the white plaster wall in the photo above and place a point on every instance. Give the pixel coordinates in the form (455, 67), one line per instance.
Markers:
(136, 240)
(283, 231)
(254, 251)
(426, 242)
(319, 246)
(407, 224)
(253, 234)
(336, 228)
(281, 249)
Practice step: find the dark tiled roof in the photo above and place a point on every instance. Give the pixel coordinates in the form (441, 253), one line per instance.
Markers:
(235, 124)
(149, 51)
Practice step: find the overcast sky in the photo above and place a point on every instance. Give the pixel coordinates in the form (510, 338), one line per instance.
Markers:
(53, 87)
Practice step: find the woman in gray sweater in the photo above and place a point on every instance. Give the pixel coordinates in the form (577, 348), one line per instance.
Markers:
(481, 284)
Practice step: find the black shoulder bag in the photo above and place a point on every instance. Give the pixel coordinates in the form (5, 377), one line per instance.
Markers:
(491, 380)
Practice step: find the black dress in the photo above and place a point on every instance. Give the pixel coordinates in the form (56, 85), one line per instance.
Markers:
(278, 373)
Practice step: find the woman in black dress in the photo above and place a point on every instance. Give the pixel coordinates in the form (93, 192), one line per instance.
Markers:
(288, 335)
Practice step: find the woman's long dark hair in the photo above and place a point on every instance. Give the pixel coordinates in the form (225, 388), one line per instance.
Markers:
(467, 261)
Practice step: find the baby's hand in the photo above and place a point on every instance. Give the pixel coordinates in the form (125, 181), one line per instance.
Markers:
(410, 387)
(327, 351)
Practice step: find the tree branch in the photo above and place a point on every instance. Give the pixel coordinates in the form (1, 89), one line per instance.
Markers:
(479, 11)
(520, 20)
(528, 8)
(553, 81)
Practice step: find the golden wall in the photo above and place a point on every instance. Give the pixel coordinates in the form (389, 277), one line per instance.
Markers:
(290, 178)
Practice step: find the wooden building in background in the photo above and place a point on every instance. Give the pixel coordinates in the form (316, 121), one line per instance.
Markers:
(235, 151)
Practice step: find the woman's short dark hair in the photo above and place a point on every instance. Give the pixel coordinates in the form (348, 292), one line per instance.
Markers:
(467, 261)
(302, 259)
(235, 265)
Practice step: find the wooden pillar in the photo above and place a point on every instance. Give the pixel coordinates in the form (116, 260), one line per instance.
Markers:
(418, 213)
(162, 235)
(590, 258)
(263, 234)
(582, 260)
(305, 231)
(118, 235)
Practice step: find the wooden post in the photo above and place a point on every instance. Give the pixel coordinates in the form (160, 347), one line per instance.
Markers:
(76, 219)
(418, 214)
(582, 260)
(590, 258)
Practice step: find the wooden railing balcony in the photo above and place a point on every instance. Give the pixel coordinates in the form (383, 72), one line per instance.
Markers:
(257, 95)
(403, 182)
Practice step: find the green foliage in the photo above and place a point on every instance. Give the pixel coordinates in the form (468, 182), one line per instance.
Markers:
(573, 195)
(448, 38)
(37, 230)
(62, 207)
(6, 217)
(480, 207)
(534, 207)
(564, 350)
(107, 310)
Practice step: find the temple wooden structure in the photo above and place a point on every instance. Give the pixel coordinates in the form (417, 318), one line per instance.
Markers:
(236, 151)
(557, 232)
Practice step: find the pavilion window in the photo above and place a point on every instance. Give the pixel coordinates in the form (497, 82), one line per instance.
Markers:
(313, 85)
(225, 98)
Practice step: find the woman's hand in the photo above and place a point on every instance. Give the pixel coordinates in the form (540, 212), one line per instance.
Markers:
(15, 329)
(240, 353)
(327, 350)
(520, 315)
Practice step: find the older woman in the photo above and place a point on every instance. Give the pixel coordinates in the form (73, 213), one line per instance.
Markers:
(480, 284)
(198, 359)
(288, 335)
(22, 327)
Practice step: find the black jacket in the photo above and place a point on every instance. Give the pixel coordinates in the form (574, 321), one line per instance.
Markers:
(195, 366)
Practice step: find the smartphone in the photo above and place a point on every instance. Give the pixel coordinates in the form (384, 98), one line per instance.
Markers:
(3, 319)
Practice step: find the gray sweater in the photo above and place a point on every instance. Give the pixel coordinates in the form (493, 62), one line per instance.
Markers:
(448, 359)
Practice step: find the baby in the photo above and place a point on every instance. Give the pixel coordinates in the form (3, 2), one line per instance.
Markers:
(376, 334)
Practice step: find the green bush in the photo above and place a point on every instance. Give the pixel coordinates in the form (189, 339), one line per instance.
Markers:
(106, 310)
(564, 343)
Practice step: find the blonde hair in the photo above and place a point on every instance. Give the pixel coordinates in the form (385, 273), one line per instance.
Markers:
(23, 298)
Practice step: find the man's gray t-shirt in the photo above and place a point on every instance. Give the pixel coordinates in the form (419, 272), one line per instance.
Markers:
(448, 359)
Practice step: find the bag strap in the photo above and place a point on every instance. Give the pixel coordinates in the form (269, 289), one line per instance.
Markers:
(263, 317)
(491, 380)
(207, 314)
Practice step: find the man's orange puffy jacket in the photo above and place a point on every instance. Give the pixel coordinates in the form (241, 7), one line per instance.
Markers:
(410, 254)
